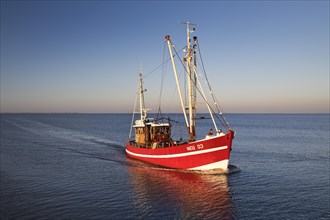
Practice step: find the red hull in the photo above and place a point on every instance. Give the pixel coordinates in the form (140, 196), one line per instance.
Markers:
(211, 153)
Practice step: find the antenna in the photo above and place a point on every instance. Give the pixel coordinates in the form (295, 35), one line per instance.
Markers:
(188, 23)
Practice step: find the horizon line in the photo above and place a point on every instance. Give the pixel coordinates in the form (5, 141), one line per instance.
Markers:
(246, 113)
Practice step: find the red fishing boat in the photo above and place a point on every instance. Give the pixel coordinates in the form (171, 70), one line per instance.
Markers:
(153, 140)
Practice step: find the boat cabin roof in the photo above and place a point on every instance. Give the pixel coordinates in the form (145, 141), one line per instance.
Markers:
(138, 126)
(160, 125)
(152, 125)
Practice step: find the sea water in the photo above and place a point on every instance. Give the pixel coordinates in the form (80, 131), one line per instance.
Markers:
(74, 166)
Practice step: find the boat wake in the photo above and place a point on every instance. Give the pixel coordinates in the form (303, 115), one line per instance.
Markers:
(231, 170)
(67, 140)
(62, 133)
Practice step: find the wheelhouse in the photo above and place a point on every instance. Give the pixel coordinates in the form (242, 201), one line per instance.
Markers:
(152, 135)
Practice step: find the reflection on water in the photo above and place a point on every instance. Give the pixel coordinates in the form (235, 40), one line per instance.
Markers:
(184, 195)
(72, 167)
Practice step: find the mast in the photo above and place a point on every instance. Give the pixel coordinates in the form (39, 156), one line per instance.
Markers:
(191, 82)
(195, 83)
(143, 110)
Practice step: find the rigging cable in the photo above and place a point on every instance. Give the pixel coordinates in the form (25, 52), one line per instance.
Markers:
(160, 65)
(130, 132)
(162, 83)
(222, 120)
(212, 94)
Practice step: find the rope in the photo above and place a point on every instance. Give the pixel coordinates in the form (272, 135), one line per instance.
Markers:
(221, 119)
(212, 94)
(162, 82)
(160, 65)
(130, 132)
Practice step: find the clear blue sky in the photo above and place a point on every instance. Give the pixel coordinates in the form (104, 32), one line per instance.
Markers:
(83, 56)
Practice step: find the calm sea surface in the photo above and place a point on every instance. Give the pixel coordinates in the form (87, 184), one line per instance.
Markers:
(73, 166)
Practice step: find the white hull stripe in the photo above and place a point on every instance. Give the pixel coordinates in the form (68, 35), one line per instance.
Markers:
(220, 164)
(178, 155)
